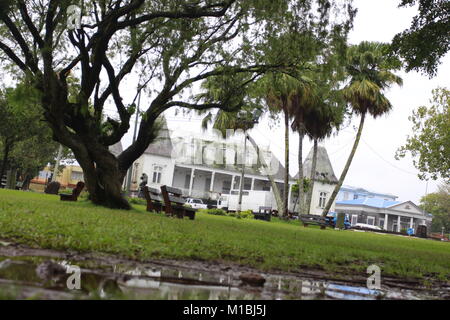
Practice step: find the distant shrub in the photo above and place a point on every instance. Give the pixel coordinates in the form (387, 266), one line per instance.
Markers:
(248, 214)
(216, 212)
(138, 201)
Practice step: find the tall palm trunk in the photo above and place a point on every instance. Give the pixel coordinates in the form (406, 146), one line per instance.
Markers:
(347, 166)
(275, 190)
(300, 199)
(241, 184)
(312, 178)
(286, 165)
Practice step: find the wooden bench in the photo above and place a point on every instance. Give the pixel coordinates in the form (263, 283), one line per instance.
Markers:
(75, 193)
(174, 203)
(154, 199)
(264, 213)
(308, 219)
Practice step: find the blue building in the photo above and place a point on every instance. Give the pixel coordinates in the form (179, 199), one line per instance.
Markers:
(353, 193)
(380, 209)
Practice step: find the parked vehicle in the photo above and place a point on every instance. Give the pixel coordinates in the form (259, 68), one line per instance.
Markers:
(332, 220)
(196, 203)
(365, 226)
(251, 200)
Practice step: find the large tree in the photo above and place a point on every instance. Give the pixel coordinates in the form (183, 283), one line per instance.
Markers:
(164, 47)
(369, 70)
(423, 45)
(438, 204)
(25, 139)
(430, 142)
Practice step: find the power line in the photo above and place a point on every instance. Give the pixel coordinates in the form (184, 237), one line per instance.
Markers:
(388, 162)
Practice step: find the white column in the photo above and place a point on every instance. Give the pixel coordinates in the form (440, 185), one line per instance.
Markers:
(398, 224)
(211, 187)
(386, 217)
(232, 182)
(191, 183)
(253, 184)
(411, 224)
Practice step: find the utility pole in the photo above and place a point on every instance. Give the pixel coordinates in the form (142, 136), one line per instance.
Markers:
(130, 171)
(58, 159)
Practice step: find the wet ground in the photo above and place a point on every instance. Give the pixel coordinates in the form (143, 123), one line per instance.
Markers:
(43, 274)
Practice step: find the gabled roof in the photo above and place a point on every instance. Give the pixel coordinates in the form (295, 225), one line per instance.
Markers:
(324, 169)
(365, 191)
(162, 146)
(371, 202)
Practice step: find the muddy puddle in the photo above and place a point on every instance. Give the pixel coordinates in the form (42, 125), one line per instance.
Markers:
(43, 274)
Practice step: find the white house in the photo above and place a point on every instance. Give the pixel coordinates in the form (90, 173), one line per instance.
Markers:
(324, 180)
(210, 168)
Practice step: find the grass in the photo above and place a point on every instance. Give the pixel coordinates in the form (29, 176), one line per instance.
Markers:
(41, 220)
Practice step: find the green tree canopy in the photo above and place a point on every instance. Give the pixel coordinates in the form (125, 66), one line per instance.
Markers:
(430, 143)
(428, 39)
(438, 204)
(167, 45)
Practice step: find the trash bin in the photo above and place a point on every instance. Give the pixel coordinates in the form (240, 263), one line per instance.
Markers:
(422, 231)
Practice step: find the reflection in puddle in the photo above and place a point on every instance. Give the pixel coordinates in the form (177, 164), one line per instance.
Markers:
(156, 282)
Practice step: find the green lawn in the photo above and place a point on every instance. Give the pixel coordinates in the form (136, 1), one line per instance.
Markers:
(43, 221)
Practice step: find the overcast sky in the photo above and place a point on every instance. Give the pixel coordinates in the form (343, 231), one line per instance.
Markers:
(374, 166)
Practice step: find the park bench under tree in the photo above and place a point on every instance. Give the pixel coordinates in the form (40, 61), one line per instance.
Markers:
(264, 213)
(312, 219)
(75, 193)
(174, 203)
(154, 199)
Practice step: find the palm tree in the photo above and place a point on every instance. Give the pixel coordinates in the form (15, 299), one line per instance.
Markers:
(302, 104)
(320, 123)
(224, 90)
(370, 74)
(283, 94)
(223, 121)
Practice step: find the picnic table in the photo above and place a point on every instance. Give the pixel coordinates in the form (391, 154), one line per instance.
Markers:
(174, 203)
(264, 213)
(154, 199)
(312, 219)
(75, 193)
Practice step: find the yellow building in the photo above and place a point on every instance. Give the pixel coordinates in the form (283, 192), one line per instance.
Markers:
(69, 176)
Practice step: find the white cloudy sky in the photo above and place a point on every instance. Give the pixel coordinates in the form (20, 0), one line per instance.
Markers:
(374, 166)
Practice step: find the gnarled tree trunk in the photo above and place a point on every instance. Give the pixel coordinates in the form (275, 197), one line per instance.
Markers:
(102, 176)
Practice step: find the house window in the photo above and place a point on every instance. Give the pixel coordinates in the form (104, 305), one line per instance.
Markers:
(76, 176)
(355, 197)
(371, 221)
(226, 186)
(322, 199)
(157, 171)
(187, 181)
(381, 223)
(354, 219)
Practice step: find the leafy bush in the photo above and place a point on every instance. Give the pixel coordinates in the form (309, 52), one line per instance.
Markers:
(216, 212)
(138, 201)
(219, 212)
(248, 214)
